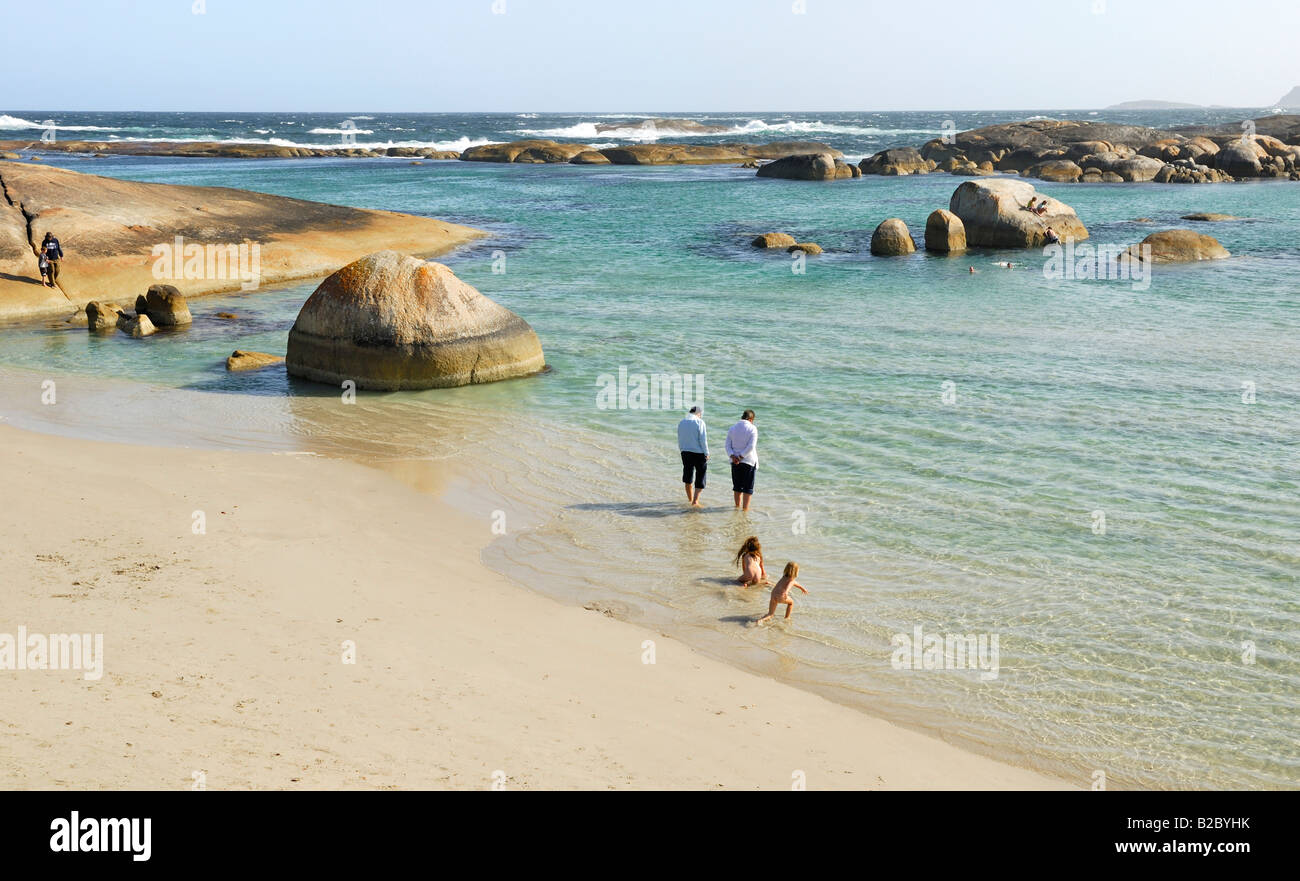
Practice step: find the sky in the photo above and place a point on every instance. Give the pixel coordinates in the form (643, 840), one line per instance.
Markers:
(627, 55)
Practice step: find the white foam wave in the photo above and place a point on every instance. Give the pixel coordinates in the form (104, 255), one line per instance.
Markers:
(340, 131)
(14, 123)
(587, 130)
(459, 144)
(817, 126)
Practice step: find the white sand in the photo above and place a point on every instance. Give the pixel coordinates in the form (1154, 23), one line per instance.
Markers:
(223, 651)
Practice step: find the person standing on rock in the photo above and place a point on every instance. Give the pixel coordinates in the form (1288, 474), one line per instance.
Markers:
(53, 252)
(742, 447)
(693, 441)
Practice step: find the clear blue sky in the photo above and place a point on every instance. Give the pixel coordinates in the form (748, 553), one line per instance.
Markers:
(629, 55)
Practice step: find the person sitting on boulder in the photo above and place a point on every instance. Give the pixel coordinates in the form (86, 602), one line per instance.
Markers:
(1033, 200)
(1042, 208)
(1052, 237)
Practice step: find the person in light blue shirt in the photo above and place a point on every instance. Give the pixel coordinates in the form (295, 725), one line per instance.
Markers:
(693, 441)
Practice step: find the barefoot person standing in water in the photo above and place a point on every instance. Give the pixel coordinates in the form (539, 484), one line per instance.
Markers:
(742, 447)
(693, 441)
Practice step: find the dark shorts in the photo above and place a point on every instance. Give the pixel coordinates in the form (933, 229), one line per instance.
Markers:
(742, 478)
(693, 467)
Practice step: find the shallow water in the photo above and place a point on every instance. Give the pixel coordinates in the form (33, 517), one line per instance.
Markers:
(1120, 650)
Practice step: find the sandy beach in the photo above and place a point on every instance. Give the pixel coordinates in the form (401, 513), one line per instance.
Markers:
(224, 651)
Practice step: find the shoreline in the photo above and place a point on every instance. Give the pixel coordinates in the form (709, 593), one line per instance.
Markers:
(240, 674)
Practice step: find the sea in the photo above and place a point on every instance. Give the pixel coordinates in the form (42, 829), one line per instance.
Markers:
(1046, 517)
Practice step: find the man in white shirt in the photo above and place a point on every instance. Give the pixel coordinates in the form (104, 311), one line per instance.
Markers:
(742, 447)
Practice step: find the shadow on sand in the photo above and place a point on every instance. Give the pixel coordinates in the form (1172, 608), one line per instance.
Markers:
(741, 620)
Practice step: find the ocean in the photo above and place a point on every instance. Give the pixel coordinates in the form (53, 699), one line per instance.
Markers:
(1099, 477)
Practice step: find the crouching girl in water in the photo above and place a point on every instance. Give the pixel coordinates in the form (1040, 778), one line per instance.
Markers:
(750, 560)
(781, 593)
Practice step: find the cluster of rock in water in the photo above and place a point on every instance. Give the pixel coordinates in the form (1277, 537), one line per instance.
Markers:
(161, 306)
(993, 214)
(1075, 152)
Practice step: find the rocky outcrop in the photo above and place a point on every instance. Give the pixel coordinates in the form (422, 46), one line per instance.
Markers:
(240, 360)
(125, 236)
(542, 151)
(810, 248)
(1109, 152)
(590, 157)
(805, 166)
(777, 149)
(165, 306)
(994, 213)
(673, 154)
(102, 316)
(529, 151)
(892, 239)
(944, 232)
(774, 240)
(422, 153)
(1178, 246)
(897, 161)
(390, 322)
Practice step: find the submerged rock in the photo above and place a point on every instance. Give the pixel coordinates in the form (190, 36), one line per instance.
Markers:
(390, 322)
(892, 239)
(944, 232)
(1207, 216)
(1179, 246)
(774, 240)
(810, 248)
(241, 360)
(995, 216)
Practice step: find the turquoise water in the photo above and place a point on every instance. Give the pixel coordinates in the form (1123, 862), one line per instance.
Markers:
(1120, 651)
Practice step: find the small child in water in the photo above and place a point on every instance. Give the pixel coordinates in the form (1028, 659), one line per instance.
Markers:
(781, 593)
(750, 560)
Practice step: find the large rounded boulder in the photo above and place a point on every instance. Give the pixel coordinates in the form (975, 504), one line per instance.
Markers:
(892, 239)
(1178, 246)
(996, 215)
(944, 232)
(390, 322)
(1239, 159)
(165, 306)
(897, 161)
(802, 166)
